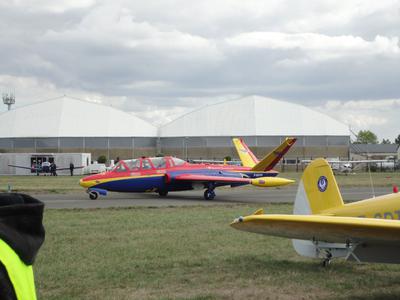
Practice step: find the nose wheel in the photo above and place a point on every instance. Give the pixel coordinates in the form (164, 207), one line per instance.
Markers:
(93, 195)
(163, 193)
(327, 259)
(209, 194)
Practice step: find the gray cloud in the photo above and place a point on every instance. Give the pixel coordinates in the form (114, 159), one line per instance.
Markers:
(164, 57)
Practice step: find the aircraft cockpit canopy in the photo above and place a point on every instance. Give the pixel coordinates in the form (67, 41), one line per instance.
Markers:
(178, 161)
(147, 163)
(133, 164)
(119, 167)
(159, 162)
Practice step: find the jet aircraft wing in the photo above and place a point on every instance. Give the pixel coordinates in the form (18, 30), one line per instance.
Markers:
(209, 178)
(331, 229)
(40, 168)
(23, 167)
(260, 181)
(67, 168)
(349, 161)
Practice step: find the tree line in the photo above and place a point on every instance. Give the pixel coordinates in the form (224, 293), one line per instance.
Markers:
(368, 137)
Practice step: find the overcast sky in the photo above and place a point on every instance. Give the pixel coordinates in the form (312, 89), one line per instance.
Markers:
(159, 59)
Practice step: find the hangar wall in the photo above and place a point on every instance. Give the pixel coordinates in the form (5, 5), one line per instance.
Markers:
(217, 148)
(111, 147)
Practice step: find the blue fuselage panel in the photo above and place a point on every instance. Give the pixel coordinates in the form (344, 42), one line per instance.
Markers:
(134, 185)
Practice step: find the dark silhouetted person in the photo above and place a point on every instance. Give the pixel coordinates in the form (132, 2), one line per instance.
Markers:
(71, 168)
(53, 169)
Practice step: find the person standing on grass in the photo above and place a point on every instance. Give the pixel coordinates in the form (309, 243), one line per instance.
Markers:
(53, 169)
(71, 168)
(46, 167)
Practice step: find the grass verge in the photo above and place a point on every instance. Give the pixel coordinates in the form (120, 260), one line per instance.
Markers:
(37, 184)
(188, 253)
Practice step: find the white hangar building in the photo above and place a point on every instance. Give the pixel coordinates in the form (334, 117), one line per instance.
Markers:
(69, 125)
(262, 122)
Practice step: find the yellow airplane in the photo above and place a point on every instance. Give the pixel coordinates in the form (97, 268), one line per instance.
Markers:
(322, 226)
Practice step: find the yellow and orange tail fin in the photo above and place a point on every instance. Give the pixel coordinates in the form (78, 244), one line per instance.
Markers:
(318, 190)
(269, 161)
(246, 156)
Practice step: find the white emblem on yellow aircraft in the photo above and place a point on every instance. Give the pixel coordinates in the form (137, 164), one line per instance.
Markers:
(323, 226)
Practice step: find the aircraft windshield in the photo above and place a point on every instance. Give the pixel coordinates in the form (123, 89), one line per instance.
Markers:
(119, 167)
(178, 161)
(158, 162)
(133, 164)
(146, 164)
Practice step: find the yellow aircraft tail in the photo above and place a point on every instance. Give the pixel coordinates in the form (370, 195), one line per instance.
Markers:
(248, 159)
(318, 190)
(246, 156)
(272, 158)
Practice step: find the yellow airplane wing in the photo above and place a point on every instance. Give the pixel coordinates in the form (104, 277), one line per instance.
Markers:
(322, 228)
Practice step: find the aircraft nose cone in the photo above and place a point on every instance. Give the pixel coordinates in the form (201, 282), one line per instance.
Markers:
(84, 183)
(288, 181)
(236, 222)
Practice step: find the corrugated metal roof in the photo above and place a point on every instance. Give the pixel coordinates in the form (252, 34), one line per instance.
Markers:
(70, 117)
(254, 115)
(374, 148)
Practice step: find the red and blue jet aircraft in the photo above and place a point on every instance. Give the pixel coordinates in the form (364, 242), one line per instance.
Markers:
(170, 174)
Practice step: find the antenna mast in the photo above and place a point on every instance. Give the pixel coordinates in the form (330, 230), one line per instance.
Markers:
(9, 99)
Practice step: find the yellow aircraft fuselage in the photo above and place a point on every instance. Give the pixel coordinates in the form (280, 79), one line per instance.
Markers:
(382, 207)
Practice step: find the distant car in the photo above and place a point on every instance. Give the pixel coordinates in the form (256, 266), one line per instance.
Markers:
(95, 168)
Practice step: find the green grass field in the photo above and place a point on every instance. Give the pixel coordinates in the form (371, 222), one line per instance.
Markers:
(189, 253)
(66, 184)
(50, 184)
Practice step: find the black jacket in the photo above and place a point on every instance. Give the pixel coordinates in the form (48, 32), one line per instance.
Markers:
(22, 229)
(21, 224)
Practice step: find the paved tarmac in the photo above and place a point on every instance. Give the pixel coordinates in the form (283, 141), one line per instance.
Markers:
(224, 196)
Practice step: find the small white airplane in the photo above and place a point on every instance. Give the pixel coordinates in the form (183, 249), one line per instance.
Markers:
(322, 226)
(347, 166)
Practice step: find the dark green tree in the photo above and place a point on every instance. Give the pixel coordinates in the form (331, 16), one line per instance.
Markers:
(102, 159)
(397, 140)
(366, 137)
(386, 141)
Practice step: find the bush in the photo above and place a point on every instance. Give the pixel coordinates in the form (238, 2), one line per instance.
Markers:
(102, 159)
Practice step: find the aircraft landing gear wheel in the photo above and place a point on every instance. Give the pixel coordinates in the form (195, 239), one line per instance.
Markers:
(326, 263)
(93, 195)
(209, 194)
(163, 193)
(327, 260)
